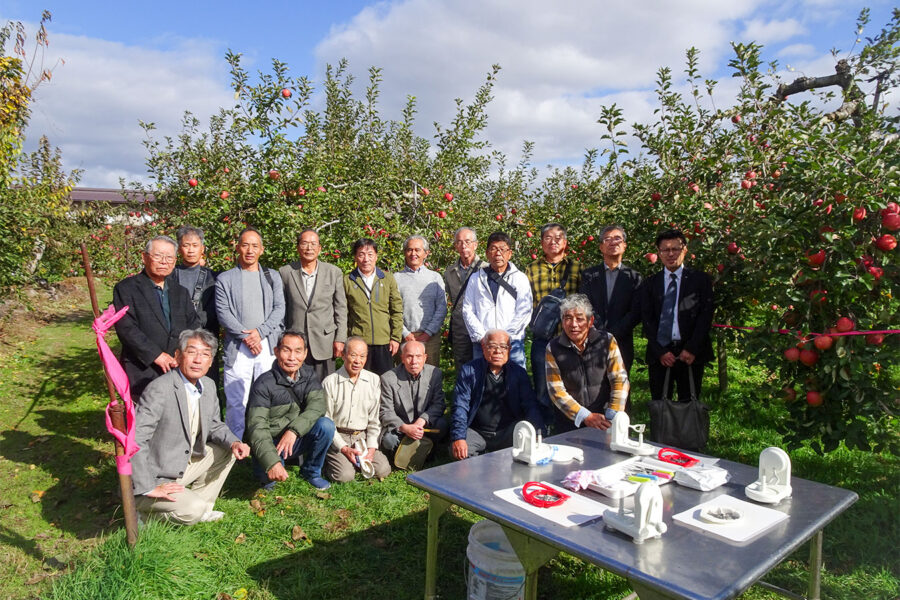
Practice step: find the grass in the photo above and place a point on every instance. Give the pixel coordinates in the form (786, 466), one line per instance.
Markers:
(61, 527)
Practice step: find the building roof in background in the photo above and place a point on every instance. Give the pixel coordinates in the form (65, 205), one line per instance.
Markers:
(109, 195)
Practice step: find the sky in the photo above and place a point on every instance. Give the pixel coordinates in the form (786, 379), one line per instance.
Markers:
(115, 64)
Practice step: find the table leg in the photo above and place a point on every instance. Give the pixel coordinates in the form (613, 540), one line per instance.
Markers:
(815, 566)
(533, 554)
(436, 507)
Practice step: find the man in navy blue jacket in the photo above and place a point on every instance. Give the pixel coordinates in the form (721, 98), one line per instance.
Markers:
(492, 395)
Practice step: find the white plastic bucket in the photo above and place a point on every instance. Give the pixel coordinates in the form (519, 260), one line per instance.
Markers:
(494, 572)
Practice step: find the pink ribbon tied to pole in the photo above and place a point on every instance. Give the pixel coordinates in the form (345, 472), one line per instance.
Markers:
(114, 370)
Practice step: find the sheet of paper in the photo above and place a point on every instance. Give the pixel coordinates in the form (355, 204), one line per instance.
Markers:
(577, 510)
(755, 522)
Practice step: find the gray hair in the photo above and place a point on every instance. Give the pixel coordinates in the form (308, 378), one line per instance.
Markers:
(186, 230)
(425, 243)
(461, 229)
(160, 238)
(576, 302)
(291, 333)
(200, 334)
(610, 228)
(354, 338)
(550, 226)
(407, 343)
(493, 332)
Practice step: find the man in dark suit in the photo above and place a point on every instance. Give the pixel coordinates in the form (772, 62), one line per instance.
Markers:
(159, 310)
(315, 304)
(612, 288)
(677, 310)
(186, 451)
(412, 400)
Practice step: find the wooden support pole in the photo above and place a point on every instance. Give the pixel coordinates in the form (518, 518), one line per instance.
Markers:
(117, 416)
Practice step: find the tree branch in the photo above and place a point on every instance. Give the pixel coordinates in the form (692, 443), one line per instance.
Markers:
(841, 78)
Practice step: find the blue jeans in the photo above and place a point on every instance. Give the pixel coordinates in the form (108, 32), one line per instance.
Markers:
(313, 446)
(516, 352)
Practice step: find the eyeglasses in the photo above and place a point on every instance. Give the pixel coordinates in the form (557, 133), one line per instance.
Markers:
(613, 240)
(675, 250)
(498, 250)
(162, 258)
(193, 353)
(307, 244)
(465, 242)
(497, 347)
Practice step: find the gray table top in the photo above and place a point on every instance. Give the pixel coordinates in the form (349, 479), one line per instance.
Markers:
(684, 563)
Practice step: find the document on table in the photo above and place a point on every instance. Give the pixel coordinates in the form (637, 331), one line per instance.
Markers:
(577, 510)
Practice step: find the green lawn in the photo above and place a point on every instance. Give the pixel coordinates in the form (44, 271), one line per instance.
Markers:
(61, 527)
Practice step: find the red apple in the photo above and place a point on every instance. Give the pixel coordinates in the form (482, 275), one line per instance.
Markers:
(193, 182)
(736, 119)
(876, 272)
(529, 234)
(892, 208)
(448, 197)
(286, 93)
(816, 259)
(513, 211)
(533, 256)
(776, 174)
(844, 324)
(750, 175)
(274, 175)
(425, 191)
(874, 339)
(839, 198)
(590, 238)
(656, 196)
(720, 267)
(574, 186)
(226, 170)
(859, 214)
(813, 398)
(499, 217)
(746, 184)
(651, 257)
(891, 221)
(442, 214)
(809, 357)
(694, 188)
(224, 195)
(320, 189)
(790, 394)
(301, 191)
(792, 354)
(733, 248)
(823, 342)
(886, 243)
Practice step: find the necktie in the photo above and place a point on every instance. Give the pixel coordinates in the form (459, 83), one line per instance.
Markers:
(667, 317)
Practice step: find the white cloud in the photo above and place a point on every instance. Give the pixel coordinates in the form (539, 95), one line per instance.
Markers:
(798, 50)
(91, 107)
(561, 62)
(768, 32)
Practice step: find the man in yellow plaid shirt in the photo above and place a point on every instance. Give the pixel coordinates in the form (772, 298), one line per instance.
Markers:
(577, 362)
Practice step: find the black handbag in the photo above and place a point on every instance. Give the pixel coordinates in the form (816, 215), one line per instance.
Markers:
(683, 425)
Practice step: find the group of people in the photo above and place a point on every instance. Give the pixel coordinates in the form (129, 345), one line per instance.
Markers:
(282, 331)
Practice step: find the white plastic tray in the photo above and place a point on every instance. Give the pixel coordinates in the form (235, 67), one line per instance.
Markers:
(614, 484)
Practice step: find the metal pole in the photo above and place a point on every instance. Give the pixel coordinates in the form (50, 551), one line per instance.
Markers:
(117, 416)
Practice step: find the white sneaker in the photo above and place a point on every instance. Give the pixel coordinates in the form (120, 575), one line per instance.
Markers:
(211, 516)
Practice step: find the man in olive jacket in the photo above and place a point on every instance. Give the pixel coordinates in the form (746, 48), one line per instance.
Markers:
(286, 417)
(374, 307)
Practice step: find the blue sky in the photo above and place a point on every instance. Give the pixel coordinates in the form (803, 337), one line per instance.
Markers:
(130, 61)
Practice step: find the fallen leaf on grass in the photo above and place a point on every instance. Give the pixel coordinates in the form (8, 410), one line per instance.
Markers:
(200, 556)
(261, 513)
(240, 594)
(290, 545)
(323, 495)
(279, 499)
(37, 578)
(36, 495)
(298, 534)
(5, 505)
(256, 505)
(240, 539)
(342, 513)
(223, 596)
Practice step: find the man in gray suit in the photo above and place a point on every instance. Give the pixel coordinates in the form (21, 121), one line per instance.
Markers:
(412, 400)
(186, 451)
(456, 278)
(316, 305)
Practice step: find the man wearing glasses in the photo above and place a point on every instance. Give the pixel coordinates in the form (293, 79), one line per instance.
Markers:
(612, 289)
(492, 394)
(158, 311)
(677, 311)
(315, 303)
(457, 278)
(552, 272)
(498, 297)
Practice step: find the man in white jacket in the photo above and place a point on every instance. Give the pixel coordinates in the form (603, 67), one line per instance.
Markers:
(498, 297)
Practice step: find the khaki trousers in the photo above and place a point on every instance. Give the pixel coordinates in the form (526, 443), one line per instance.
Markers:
(340, 470)
(203, 480)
